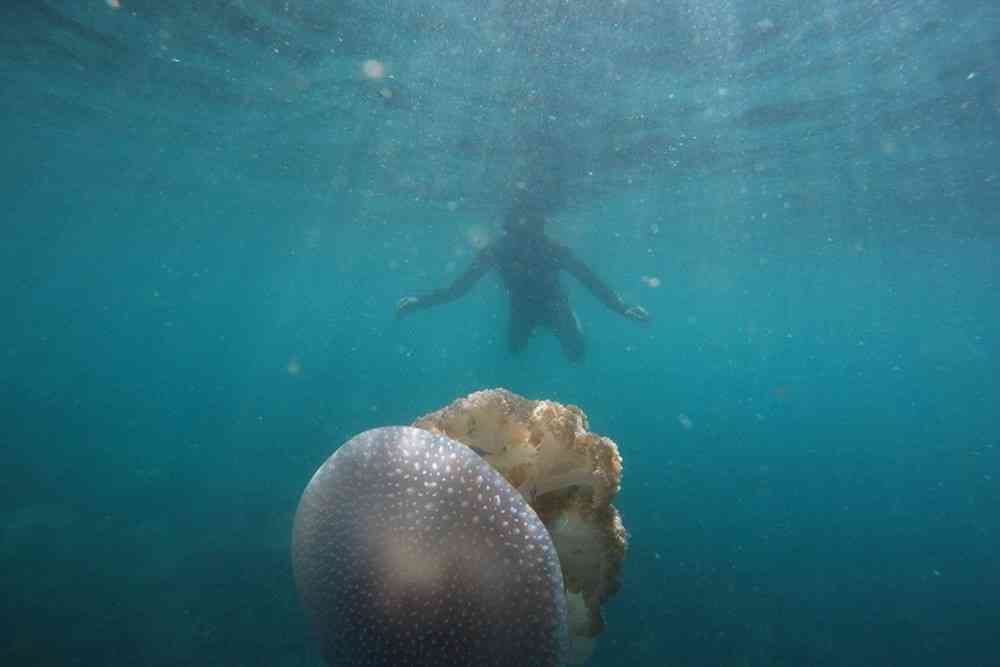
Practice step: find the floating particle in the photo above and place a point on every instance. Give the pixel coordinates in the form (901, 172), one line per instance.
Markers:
(294, 367)
(478, 237)
(373, 69)
(685, 422)
(651, 281)
(765, 25)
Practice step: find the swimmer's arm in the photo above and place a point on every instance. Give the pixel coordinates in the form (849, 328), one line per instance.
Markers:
(458, 288)
(599, 288)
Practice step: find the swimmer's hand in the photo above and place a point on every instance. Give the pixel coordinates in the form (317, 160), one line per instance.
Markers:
(406, 305)
(637, 313)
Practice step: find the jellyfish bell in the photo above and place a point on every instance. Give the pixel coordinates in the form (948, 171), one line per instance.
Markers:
(409, 549)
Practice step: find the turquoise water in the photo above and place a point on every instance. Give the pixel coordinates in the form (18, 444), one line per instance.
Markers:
(212, 209)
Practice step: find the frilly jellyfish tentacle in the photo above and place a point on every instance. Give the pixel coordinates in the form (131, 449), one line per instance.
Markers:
(568, 474)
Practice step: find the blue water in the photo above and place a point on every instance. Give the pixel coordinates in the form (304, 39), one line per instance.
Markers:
(211, 210)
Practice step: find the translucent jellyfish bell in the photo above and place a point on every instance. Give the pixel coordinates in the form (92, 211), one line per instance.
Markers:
(409, 549)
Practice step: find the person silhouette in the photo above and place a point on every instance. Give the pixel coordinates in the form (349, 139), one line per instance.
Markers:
(529, 263)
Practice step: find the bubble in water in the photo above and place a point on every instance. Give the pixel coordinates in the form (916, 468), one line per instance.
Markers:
(373, 69)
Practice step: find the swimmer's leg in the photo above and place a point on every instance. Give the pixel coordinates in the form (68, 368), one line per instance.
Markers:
(566, 326)
(519, 329)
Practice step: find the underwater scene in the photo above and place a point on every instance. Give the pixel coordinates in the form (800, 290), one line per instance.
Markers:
(658, 333)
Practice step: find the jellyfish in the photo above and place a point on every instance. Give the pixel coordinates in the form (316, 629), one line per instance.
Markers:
(410, 549)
